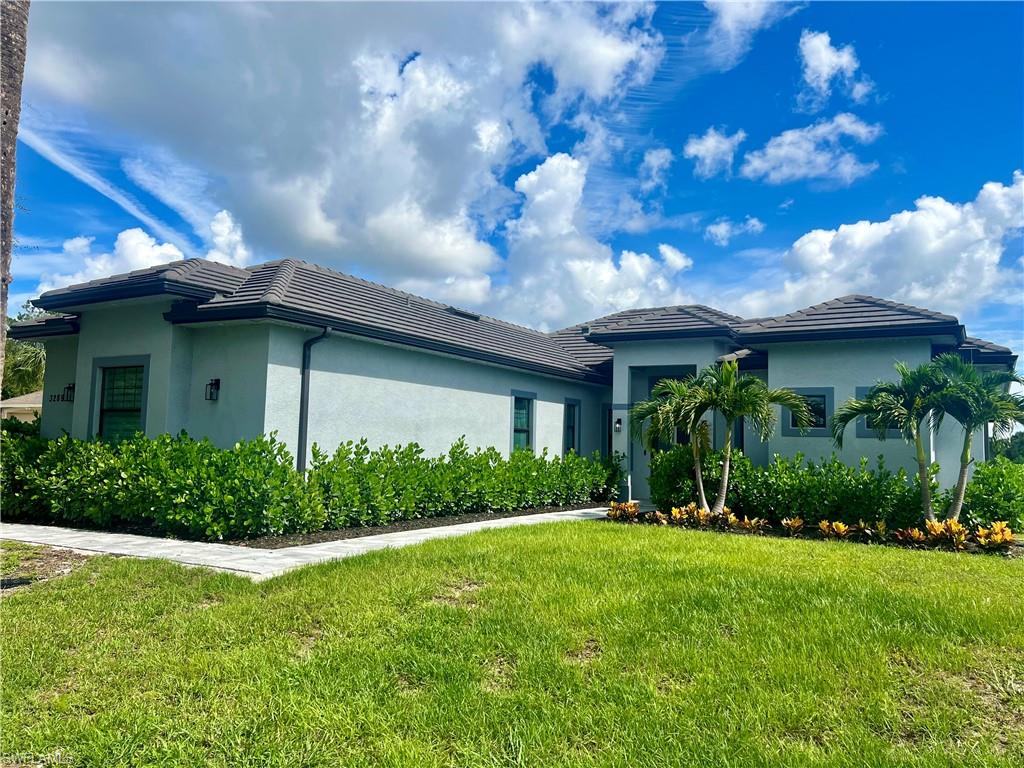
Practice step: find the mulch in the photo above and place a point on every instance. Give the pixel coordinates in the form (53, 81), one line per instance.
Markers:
(43, 564)
(318, 537)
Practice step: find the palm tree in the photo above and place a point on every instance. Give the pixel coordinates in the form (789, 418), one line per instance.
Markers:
(13, 33)
(669, 410)
(901, 405)
(974, 398)
(723, 389)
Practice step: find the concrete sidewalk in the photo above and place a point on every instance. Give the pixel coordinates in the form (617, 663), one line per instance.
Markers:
(259, 564)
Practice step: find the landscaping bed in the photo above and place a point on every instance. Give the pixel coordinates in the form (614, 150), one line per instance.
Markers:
(568, 644)
(298, 539)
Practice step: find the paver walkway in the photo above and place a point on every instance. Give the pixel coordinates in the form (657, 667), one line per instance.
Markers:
(259, 564)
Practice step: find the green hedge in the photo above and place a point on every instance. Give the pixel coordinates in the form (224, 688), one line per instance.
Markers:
(190, 488)
(995, 492)
(791, 488)
(364, 487)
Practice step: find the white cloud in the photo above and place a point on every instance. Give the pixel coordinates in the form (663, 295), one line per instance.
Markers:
(713, 152)
(941, 255)
(674, 259)
(133, 249)
(226, 242)
(814, 152)
(822, 65)
(448, 246)
(559, 273)
(724, 229)
(734, 25)
(407, 119)
(655, 165)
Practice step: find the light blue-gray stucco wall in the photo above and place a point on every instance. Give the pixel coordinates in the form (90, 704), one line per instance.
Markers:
(61, 364)
(845, 366)
(390, 394)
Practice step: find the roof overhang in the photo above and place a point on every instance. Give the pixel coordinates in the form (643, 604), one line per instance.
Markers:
(159, 285)
(44, 328)
(606, 337)
(954, 330)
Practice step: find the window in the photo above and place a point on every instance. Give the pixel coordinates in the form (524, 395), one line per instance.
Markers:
(121, 396)
(866, 425)
(821, 401)
(571, 427)
(522, 420)
(819, 416)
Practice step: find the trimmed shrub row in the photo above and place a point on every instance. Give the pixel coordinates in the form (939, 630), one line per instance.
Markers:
(190, 488)
(831, 490)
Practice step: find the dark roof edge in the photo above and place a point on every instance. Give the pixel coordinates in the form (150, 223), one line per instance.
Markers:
(930, 329)
(183, 313)
(600, 337)
(157, 286)
(44, 328)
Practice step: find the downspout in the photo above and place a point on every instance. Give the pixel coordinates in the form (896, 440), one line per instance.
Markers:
(307, 354)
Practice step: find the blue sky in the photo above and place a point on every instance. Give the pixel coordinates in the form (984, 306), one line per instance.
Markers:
(546, 164)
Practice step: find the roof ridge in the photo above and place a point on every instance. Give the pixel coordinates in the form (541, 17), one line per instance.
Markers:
(283, 273)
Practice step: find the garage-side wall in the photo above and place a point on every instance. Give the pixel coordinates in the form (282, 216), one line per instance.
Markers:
(61, 364)
(392, 395)
(237, 355)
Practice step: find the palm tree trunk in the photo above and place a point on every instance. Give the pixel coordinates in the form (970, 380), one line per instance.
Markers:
(13, 34)
(698, 473)
(723, 487)
(953, 513)
(922, 476)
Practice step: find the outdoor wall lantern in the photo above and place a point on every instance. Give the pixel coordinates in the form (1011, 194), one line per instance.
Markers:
(618, 425)
(213, 389)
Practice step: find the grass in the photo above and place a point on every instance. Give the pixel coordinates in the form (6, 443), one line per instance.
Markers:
(574, 644)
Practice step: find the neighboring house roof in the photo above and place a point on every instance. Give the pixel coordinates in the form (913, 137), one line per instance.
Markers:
(23, 402)
(854, 316)
(295, 291)
(683, 321)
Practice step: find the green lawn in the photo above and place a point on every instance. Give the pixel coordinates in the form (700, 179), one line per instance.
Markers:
(553, 645)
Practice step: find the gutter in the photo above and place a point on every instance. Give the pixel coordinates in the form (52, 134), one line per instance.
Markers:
(307, 354)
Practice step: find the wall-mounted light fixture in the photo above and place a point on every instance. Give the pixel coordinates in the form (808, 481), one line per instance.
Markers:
(213, 389)
(618, 425)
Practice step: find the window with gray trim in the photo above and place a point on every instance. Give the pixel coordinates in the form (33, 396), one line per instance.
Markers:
(821, 401)
(522, 420)
(865, 425)
(571, 427)
(121, 396)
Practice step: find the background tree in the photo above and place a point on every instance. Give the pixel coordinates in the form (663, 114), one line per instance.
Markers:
(901, 405)
(974, 398)
(24, 361)
(13, 36)
(1011, 447)
(671, 409)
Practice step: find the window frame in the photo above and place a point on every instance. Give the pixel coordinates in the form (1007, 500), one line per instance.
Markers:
(575, 406)
(531, 411)
(830, 409)
(863, 430)
(99, 364)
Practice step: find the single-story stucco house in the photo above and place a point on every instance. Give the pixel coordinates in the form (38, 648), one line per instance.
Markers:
(319, 356)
